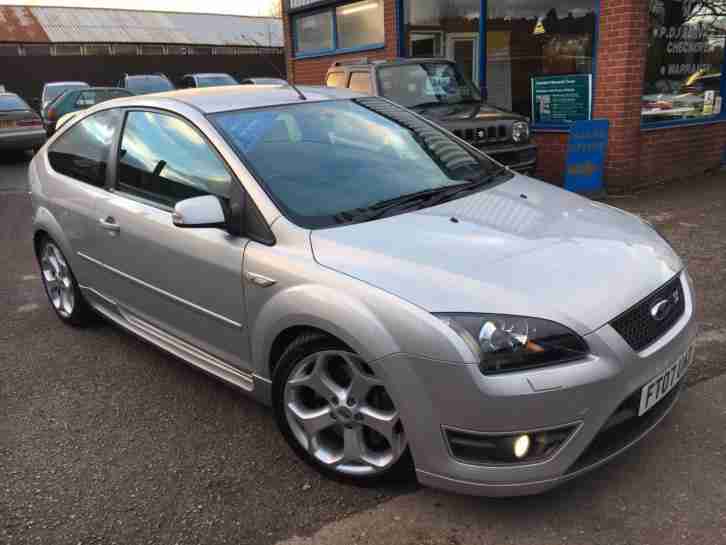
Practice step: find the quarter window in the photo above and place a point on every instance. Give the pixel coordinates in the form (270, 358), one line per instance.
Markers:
(164, 160)
(360, 82)
(83, 151)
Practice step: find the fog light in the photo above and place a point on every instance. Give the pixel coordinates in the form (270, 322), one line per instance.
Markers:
(521, 446)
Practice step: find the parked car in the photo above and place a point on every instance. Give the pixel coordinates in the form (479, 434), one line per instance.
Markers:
(398, 297)
(191, 81)
(436, 89)
(54, 89)
(144, 84)
(79, 99)
(20, 127)
(264, 81)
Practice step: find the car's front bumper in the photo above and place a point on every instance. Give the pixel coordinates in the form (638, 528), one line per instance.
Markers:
(433, 396)
(22, 139)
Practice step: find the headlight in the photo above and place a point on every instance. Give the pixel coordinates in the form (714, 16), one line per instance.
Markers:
(520, 131)
(512, 343)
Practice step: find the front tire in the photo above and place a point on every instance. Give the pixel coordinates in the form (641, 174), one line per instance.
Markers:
(60, 285)
(336, 414)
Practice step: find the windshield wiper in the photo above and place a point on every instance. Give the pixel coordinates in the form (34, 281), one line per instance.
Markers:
(425, 198)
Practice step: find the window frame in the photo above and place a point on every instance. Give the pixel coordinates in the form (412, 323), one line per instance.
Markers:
(335, 50)
(114, 172)
(405, 50)
(646, 126)
(110, 159)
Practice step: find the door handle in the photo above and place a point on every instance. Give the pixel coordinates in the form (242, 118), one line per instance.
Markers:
(110, 224)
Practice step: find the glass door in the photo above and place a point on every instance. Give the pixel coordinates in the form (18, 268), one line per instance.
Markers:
(463, 49)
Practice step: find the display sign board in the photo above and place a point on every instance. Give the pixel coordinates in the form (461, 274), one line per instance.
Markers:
(561, 99)
(586, 156)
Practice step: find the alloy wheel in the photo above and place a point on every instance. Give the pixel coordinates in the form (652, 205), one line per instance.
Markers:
(57, 279)
(341, 414)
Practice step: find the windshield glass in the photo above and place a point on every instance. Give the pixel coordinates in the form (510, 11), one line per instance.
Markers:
(426, 83)
(54, 91)
(12, 102)
(318, 160)
(142, 85)
(213, 81)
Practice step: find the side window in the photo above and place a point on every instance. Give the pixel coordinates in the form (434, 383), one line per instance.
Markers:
(336, 79)
(83, 151)
(164, 160)
(360, 82)
(188, 82)
(86, 99)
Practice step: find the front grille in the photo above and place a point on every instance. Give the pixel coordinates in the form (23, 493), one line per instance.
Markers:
(482, 136)
(637, 325)
(624, 428)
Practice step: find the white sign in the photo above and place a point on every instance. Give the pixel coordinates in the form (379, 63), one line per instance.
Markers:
(296, 4)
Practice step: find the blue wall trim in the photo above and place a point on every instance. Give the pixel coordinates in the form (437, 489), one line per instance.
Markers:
(483, 49)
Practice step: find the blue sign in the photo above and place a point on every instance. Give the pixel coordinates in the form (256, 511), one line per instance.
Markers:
(586, 156)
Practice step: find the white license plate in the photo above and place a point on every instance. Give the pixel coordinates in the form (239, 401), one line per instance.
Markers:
(659, 387)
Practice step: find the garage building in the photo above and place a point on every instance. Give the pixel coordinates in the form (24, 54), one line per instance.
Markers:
(42, 44)
(652, 68)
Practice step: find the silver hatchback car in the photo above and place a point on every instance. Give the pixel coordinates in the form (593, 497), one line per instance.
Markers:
(402, 301)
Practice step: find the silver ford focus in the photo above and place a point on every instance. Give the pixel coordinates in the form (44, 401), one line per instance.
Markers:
(405, 304)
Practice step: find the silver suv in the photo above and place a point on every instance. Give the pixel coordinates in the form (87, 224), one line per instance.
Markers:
(402, 301)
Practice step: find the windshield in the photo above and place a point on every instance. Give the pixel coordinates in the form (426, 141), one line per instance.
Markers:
(54, 91)
(426, 83)
(318, 160)
(142, 85)
(214, 81)
(12, 102)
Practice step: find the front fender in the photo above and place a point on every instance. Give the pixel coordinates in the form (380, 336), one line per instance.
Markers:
(311, 305)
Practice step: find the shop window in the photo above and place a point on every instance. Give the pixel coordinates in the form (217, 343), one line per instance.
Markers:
(528, 43)
(351, 26)
(360, 24)
(314, 32)
(684, 61)
(425, 44)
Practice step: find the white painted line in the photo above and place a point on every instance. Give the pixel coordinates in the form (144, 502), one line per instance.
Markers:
(29, 277)
(28, 308)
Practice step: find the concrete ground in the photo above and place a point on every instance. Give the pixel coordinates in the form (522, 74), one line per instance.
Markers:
(104, 439)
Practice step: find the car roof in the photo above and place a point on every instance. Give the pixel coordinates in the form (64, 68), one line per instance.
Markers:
(63, 83)
(400, 61)
(238, 97)
(208, 74)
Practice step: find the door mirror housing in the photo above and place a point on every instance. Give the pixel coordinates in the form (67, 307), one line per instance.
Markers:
(200, 212)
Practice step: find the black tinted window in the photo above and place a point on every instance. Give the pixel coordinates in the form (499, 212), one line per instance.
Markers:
(164, 160)
(148, 84)
(82, 152)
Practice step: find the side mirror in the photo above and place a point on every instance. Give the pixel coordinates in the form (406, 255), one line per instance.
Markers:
(198, 212)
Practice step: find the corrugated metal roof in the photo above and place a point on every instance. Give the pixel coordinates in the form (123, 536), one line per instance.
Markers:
(56, 25)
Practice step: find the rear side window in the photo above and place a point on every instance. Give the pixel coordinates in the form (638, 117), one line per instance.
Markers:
(336, 79)
(360, 82)
(84, 150)
(12, 102)
(164, 160)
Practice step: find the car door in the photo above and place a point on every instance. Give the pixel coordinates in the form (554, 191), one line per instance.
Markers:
(187, 283)
(78, 167)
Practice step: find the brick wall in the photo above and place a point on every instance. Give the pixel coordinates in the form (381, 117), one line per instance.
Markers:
(551, 152)
(312, 71)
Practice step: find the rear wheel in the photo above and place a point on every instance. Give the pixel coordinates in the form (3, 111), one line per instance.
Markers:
(336, 413)
(60, 285)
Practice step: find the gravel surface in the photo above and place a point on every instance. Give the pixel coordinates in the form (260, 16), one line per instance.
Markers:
(104, 439)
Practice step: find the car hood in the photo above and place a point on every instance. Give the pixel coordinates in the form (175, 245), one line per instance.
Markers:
(466, 112)
(522, 247)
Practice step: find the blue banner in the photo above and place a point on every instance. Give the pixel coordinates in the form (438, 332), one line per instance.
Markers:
(586, 153)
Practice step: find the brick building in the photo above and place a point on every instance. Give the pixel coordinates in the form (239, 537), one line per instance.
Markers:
(651, 67)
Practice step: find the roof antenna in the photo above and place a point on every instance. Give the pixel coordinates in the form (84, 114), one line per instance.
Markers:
(275, 68)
